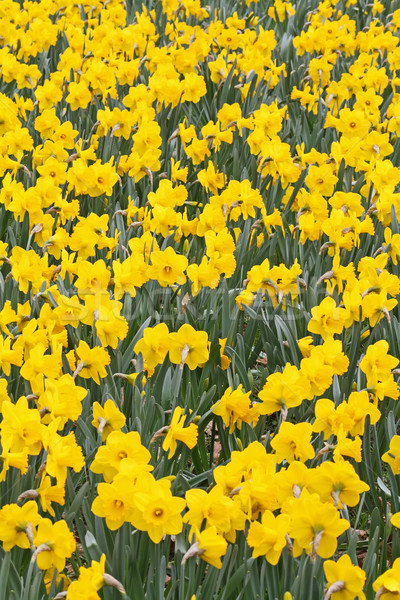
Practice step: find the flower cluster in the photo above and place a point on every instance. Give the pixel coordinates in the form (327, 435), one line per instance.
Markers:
(199, 281)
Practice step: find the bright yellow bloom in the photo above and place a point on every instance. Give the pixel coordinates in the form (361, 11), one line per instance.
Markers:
(8, 459)
(283, 390)
(79, 95)
(153, 346)
(235, 407)
(349, 417)
(62, 452)
(92, 277)
(194, 87)
(389, 582)
(225, 360)
(315, 526)
(377, 364)
(216, 509)
(90, 580)
(14, 520)
(351, 578)
(27, 267)
(357, 408)
(167, 267)
(177, 431)
(167, 195)
(128, 275)
(56, 542)
(40, 364)
(290, 481)
(268, 538)
(9, 356)
(188, 347)
(203, 275)
(392, 456)
(346, 446)
(395, 520)
(318, 373)
(21, 427)
(114, 501)
(111, 326)
(155, 509)
(31, 336)
(93, 361)
(337, 483)
(332, 353)
(118, 448)
(109, 416)
(259, 492)
(62, 399)
(242, 464)
(211, 546)
(293, 442)
(327, 318)
(50, 493)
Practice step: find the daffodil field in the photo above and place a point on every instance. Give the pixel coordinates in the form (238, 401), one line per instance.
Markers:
(199, 282)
